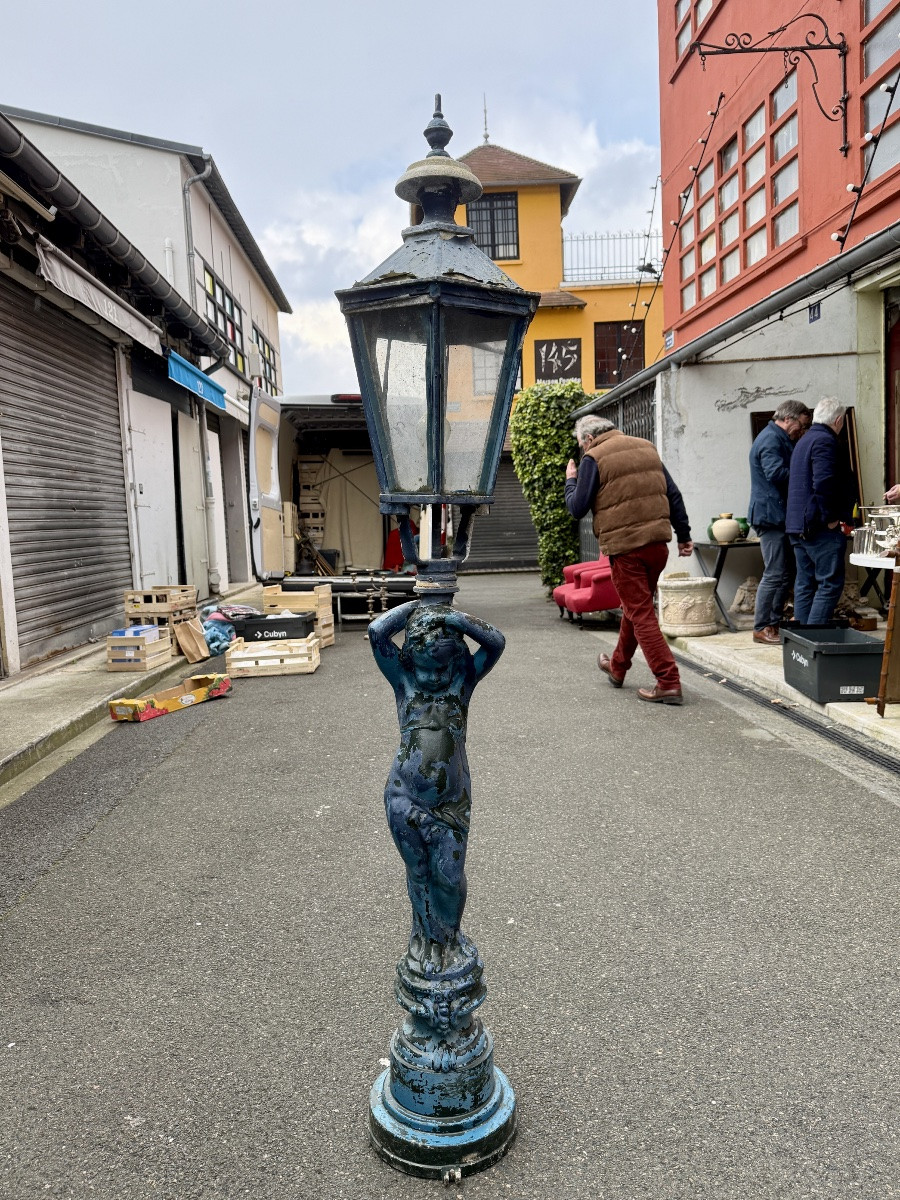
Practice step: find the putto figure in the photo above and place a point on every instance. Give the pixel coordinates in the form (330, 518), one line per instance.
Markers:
(428, 797)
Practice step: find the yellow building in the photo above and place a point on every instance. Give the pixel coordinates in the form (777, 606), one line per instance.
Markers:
(598, 332)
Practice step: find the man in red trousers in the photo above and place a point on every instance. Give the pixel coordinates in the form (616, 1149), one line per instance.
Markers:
(635, 503)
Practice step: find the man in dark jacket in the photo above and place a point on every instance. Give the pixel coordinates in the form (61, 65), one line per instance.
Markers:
(818, 502)
(635, 504)
(770, 468)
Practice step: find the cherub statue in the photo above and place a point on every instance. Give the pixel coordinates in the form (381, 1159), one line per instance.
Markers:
(427, 797)
(745, 597)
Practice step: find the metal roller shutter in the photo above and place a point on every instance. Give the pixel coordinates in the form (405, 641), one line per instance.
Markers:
(506, 538)
(65, 486)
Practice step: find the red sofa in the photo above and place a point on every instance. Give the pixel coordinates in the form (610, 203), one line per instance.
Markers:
(588, 587)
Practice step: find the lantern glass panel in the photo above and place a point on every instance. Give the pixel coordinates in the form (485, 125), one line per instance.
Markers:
(397, 345)
(475, 345)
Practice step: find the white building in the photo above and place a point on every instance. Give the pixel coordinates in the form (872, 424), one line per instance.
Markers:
(127, 441)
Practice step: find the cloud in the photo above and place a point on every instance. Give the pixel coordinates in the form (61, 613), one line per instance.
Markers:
(328, 238)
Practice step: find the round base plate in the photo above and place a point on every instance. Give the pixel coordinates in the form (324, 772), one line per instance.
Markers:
(430, 1146)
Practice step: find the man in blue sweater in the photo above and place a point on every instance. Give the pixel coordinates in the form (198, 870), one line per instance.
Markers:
(818, 502)
(770, 468)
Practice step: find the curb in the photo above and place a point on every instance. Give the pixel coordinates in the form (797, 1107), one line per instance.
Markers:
(22, 760)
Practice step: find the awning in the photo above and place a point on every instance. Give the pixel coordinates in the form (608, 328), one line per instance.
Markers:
(192, 378)
(68, 277)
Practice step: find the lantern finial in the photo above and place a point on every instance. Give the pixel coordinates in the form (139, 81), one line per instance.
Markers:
(437, 132)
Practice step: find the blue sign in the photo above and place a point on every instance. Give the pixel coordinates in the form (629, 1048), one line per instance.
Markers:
(192, 378)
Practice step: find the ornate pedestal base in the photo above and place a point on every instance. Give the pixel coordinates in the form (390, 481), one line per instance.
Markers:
(442, 1105)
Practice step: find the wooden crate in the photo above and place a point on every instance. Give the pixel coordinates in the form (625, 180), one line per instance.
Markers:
(289, 514)
(299, 656)
(164, 621)
(138, 652)
(316, 600)
(161, 601)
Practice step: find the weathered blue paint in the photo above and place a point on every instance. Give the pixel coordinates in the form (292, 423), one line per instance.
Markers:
(442, 1103)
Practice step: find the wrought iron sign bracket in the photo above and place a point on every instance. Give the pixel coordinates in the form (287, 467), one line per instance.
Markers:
(816, 40)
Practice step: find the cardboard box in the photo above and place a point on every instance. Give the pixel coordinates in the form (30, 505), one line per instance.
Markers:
(129, 650)
(193, 691)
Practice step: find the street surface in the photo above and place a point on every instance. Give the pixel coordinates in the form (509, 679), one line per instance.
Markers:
(688, 919)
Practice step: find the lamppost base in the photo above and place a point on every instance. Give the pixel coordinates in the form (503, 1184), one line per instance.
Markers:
(430, 1147)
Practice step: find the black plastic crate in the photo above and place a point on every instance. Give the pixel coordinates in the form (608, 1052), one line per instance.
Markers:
(832, 664)
(278, 629)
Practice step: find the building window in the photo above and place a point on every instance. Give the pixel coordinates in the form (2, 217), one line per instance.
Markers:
(618, 351)
(876, 102)
(728, 193)
(494, 220)
(787, 224)
(873, 8)
(888, 155)
(729, 230)
(784, 96)
(224, 312)
(755, 167)
(755, 208)
(785, 182)
(757, 245)
(728, 156)
(731, 265)
(785, 139)
(754, 128)
(736, 225)
(882, 44)
(703, 7)
(269, 369)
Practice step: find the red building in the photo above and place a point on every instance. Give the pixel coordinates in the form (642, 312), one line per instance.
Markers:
(756, 176)
(780, 164)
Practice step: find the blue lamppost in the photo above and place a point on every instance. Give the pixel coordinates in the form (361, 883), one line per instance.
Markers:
(437, 334)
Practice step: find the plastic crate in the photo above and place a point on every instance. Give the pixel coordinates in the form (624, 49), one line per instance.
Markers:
(277, 629)
(831, 665)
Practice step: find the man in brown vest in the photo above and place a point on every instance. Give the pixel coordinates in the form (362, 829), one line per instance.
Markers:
(635, 503)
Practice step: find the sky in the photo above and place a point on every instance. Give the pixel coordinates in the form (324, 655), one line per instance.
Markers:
(312, 111)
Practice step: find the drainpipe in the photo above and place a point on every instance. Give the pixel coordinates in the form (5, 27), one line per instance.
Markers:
(212, 558)
(189, 225)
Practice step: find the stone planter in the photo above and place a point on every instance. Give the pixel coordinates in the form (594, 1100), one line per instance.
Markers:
(687, 605)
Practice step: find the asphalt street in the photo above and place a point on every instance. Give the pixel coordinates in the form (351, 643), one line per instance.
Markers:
(688, 916)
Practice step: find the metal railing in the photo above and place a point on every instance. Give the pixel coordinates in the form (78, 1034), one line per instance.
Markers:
(610, 257)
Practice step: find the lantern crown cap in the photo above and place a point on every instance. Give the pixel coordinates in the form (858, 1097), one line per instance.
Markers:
(437, 183)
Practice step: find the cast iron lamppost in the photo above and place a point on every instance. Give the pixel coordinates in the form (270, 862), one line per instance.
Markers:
(437, 334)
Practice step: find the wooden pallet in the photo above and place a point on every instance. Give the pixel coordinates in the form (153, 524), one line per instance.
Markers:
(168, 600)
(299, 656)
(137, 653)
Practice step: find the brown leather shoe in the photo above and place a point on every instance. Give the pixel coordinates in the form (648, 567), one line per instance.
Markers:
(603, 662)
(661, 695)
(767, 637)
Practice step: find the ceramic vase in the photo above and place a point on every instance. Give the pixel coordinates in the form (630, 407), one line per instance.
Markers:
(725, 529)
